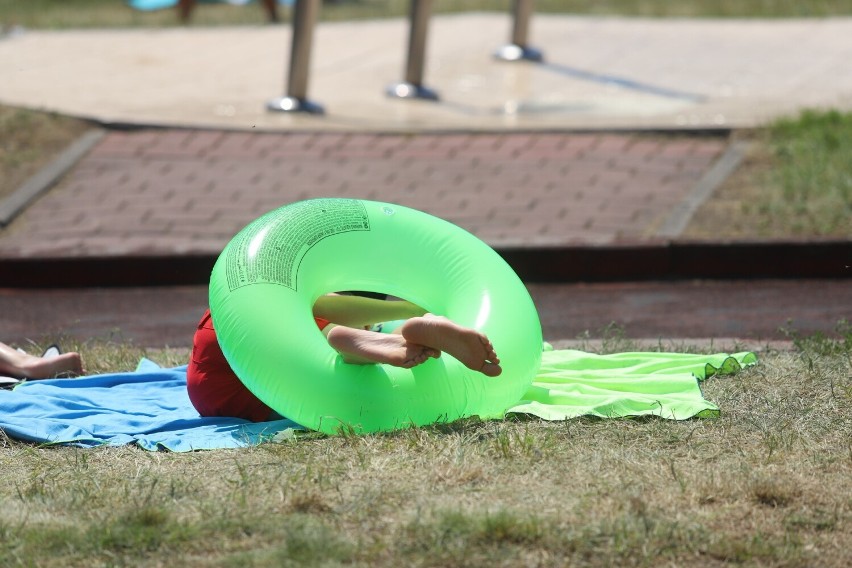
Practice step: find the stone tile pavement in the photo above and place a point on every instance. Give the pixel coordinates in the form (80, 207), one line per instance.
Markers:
(189, 191)
(723, 314)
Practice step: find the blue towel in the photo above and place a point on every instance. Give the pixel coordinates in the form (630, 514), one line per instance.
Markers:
(148, 407)
(151, 408)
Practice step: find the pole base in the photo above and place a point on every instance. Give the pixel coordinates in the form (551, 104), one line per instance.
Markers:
(512, 52)
(411, 91)
(294, 104)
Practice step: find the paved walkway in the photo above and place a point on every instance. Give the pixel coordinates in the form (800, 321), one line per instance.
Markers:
(672, 314)
(159, 192)
(599, 73)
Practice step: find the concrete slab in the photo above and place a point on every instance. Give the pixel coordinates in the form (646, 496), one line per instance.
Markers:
(623, 73)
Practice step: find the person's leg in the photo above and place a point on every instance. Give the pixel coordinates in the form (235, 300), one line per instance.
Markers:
(360, 312)
(421, 330)
(17, 364)
(467, 345)
(360, 347)
(414, 342)
(271, 7)
(185, 8)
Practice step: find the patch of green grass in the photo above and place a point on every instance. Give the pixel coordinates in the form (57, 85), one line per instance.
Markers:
(638, 535)
(813, 174)
(820, 344)
(136, 532)
(302, 541)
(795, 182)
(115, 13)
(458, 538)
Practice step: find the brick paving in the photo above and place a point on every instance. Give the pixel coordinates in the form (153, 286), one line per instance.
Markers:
(189, 191)
(694, 312)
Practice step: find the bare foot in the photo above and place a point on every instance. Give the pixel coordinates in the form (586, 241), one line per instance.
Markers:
(467, 345)
(63, 364)
(360, 346)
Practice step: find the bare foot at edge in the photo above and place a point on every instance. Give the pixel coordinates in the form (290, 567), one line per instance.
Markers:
(361, 347)
(64, 364)
(467, 345)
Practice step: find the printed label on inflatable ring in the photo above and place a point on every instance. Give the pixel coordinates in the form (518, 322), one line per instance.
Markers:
(270, 249)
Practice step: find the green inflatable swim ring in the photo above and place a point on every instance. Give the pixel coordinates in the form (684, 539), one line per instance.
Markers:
(267, 279)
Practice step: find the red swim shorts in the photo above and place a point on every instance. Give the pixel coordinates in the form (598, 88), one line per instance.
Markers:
(213, 387)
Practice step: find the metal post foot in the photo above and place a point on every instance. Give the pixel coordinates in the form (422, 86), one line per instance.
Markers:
(294, 104)
(512, 52)
(411, 91)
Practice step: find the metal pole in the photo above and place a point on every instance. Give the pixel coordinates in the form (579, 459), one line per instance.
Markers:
(412, 87)
(518, 50)
(296, 100)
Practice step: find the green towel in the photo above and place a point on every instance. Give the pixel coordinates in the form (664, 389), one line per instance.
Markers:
(575, 383)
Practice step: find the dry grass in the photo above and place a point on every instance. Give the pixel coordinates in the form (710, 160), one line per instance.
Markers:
(769, 483)
(29, 141)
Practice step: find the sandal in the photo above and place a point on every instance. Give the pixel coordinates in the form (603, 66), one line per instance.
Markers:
(51, 352)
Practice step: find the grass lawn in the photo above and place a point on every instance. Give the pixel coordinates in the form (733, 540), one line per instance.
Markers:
(795, 182)
(769, 483)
